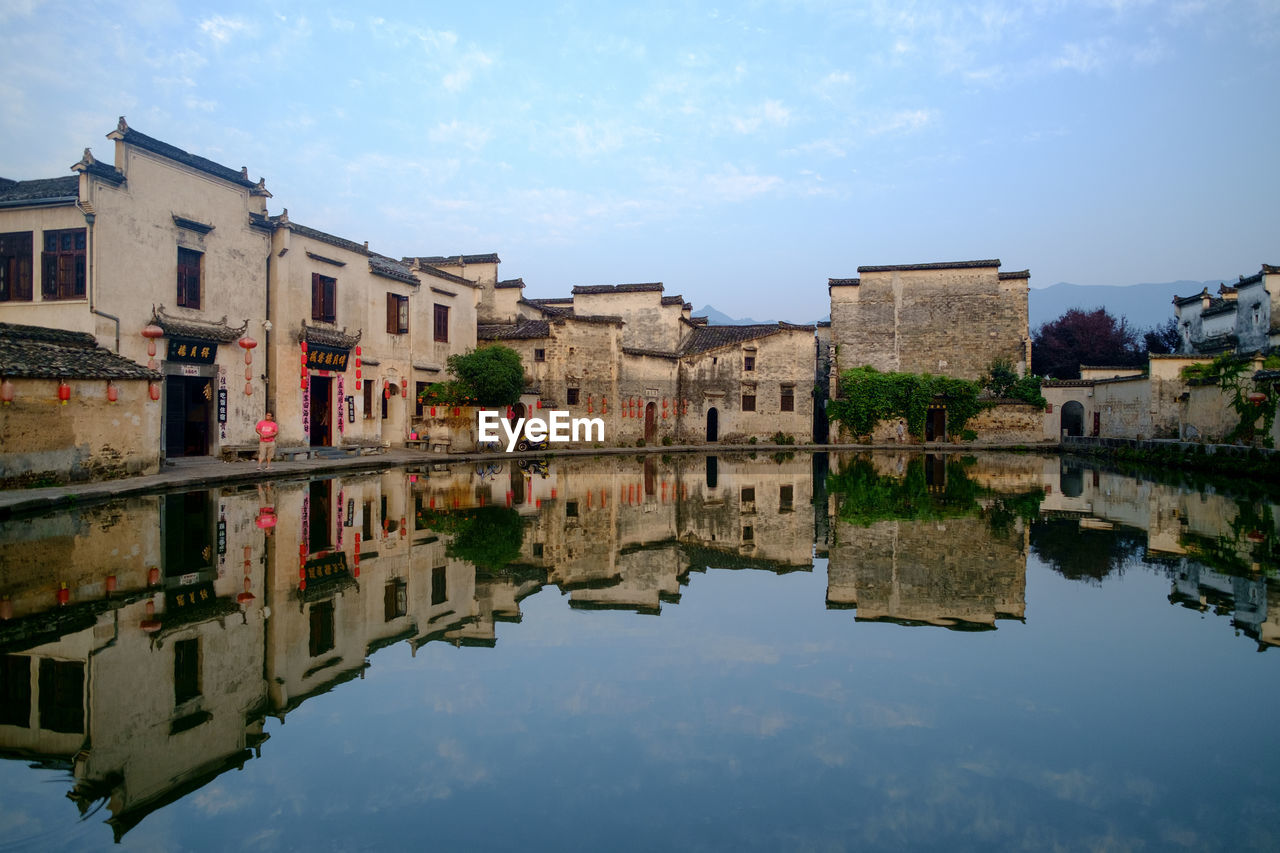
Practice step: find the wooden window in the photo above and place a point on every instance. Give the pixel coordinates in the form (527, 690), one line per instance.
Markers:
(15, 267)
(442, 323)
(395, 599)
(368, 399)
(748, 401)
(749, 495)
(788, 403)
(748, 362)
(186, 670)
(189, 267)
(439, 591)
(397, 314)
(15, 691)
(324, 298)
(63, 264)
(62, 696)
(539, 355)
(573, 396)
(321, 639)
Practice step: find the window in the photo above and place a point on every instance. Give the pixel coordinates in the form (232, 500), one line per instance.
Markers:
(748, 362)
(748, 534)
(438, 590)
(748, 495)
(395, 600)
(573, 396)
(788, 403)
(748, 401)
(189, 262)
(539, 355)
(321, 639)
(419, 389)
(442, 322)
(186, 670)
(571, 509)
(15, 267)
(367, 514)
(324, 298)
(64, 263)
(786, 498)
(397, 314)
(368, 400)
(15, 691)
(62, 696)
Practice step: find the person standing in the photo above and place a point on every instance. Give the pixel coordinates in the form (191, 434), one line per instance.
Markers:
(902, 428)
(266, 429)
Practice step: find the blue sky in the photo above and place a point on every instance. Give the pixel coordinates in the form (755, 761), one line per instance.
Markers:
(741, 154)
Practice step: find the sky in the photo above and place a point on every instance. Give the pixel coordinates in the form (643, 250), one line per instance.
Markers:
(741, 154)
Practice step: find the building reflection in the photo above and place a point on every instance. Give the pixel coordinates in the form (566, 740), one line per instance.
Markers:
(145, 644)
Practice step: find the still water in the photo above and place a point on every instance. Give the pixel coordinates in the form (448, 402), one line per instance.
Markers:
(708, 653)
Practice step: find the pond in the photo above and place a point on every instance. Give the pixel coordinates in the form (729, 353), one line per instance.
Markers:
(862, 651)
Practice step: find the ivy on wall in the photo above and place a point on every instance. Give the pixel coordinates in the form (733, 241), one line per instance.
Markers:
(868, 397)
(1231, 373)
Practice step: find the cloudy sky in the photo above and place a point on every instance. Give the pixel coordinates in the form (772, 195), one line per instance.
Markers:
(741, 154)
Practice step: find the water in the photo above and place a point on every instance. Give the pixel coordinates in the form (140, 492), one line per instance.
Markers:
(648, 653)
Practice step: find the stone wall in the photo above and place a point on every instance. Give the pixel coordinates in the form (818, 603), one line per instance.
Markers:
(1010, 422)
(1124, 407)
(89, 438)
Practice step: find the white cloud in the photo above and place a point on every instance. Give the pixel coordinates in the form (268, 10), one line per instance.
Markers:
(772, 113)
(904, 120)
(221, 29)
(1085, 58)
(733, 185)
(466, 134)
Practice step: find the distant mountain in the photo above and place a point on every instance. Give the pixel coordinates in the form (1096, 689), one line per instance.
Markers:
(718, 318)
(1143, 305)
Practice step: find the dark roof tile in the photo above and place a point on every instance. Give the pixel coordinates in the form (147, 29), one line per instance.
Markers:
(458, 260)
(186, 158)
(705, 338)
(596, 289)
(203, 330)
(36, 352)
(388, 268)
(941, 265)
(511, 282)
(522, 330)
(13, 193)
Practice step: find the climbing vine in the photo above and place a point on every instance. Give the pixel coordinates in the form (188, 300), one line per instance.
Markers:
(1254, 403)
(868, 397)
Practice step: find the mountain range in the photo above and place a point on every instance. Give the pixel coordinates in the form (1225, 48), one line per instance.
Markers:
(1143, 305)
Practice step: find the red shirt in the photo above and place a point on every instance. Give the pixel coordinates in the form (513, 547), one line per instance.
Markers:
(267, 429)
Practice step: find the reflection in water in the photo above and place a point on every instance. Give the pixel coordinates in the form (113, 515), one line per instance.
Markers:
(145, 644)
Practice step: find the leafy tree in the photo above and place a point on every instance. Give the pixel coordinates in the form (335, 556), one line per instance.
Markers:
(491, 375)
(1059, 347)
(1004, 383)
(1164, 338)
(868, 396)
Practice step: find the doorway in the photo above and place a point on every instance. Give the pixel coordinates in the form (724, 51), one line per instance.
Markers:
(935, 424)
(321, 406)
(188, 404)
(1073, 418)
(650, 423)
(713, 424)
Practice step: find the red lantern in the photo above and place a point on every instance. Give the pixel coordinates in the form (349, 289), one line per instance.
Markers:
(7, 392)
(248, 374)
(64, 391)
(404, 385)
(403, 529)
(153, 576)
(6, 608)
(113, 393)
(266, 518)
(151, 331)
(248, 389)
(153, 390)
(151, 624)
(111, 583)
(433, 411)
(64, 594)
(303, 345)
(539, 404)
(1257, 398)
(247, 344)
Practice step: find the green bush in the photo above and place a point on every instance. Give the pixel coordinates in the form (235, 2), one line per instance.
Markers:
(869, 397)
(968, 435)
(666, 441)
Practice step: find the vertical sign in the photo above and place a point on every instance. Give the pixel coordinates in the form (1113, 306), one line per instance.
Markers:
(341, 420)
(222, 403)
(340, 508)
(351, 508)
(306, 406)
(351, 409)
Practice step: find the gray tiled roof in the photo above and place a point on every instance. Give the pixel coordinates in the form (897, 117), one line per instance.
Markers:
(282, 221)
(591, 318)
(328, 337)
(596, 289)
(1014, 274)
(673, 300)
(35, 352)
(706, 338)
(548, 307)
(427, 269)
(941, 265)
(650, 353)
(384, 266)
(1187, 300)
(442, 260)
(172, 152)
(843, 282)
(511, 282)
(181, 327)
(16, 192)
(522, 330)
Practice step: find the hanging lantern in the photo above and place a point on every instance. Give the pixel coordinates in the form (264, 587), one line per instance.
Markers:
(404, 386)
(113, 393)
(64, 391)
(111, 583)
(150, 624)
(433, 411)
(151, 331)
(403, 528)
(1257, 398)
(246, 596)
(248, 389)
(153, 576)
(303, 345)
(153, 390)
(7, 392)
(247, 344)
(248, 373)
(64, 595)
(6, 608)
(539, 404)
(266, 518)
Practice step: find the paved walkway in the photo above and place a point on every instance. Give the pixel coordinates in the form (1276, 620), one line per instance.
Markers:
(187, 474)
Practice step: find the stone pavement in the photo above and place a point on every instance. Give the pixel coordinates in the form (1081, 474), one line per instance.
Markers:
(188, 474)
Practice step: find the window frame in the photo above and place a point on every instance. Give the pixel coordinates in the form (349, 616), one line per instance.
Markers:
(787, 398)
(324, 298)
(63, 268)
(573, 396)
(397, 314)
(190, 278)
(17, 279)
(440, 323)
(748, 362)
(539, 355)
(748, 406)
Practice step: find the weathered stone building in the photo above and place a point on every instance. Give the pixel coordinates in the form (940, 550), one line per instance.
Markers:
(1244, 317)
(952, 319)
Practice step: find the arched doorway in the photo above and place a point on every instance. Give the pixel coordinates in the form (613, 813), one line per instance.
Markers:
(650, 423)
(713, 424)
(1073, 418)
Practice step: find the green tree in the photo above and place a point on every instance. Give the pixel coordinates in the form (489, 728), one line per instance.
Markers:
(491, 375)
